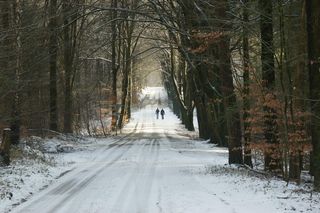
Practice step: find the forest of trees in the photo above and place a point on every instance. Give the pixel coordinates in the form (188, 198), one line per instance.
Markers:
(249, 68)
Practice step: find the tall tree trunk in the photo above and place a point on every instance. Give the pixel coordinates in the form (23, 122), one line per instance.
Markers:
(183, 87)
(11, 23)
(129, 99)
(232, 114)
(6, 22)
(246, 83)
(230, 103)
(296, 48)
(68, 65)
(128, 49)
(202, 116)
(125, 83)
(114, 66)
(188, 98)
(15, 113)
(313, 30)
(286, 90)
(5, 147)
(268, 77)
(70, 34)
(53, 49)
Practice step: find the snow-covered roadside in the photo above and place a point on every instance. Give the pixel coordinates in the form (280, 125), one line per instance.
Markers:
(239, 188)
(246, 190)
(35, 166)
(234, 188)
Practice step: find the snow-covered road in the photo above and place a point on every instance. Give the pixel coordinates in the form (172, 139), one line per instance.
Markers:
(156, 167)
(144, 171)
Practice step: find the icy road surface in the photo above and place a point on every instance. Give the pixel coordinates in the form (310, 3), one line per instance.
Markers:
(155, 167)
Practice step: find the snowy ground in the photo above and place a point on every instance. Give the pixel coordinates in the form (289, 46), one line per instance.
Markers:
(153, 166)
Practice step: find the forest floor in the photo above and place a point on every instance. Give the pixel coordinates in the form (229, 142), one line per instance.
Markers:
(154, 165)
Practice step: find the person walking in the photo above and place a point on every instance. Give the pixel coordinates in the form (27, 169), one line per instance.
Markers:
(162, 113)
(157, 113)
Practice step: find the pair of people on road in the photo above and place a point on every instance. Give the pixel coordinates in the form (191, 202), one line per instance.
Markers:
(161, 112)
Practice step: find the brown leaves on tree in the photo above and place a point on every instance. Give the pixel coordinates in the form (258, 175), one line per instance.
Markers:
(204, 40)
(293, 138)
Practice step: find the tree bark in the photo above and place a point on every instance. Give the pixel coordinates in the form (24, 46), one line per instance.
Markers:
(230, 103)
(188, 97)
(128, 49)
(114, 66)
(232, 115)
(5, 147)
(207, 129)
(15, 98)
(246, 83)
(313, 30)
(268, 78)
(70, 17)
(53, 49)
(66, 5)
(296, 48)
(125, 83)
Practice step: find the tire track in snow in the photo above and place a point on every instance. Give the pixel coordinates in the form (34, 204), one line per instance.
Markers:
(135, 193)
(78, 186)
(196, 178)
(72, 186)
(81, 185)
(110, 147)
(61, 189)
(145, 184)
(122, 197)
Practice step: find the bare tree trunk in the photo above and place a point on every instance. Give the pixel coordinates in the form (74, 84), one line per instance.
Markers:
(230, 103)
(15, 113)
(114, 66)
(202, 117)
(313, 30)
(246, 83)
(129, 99)
(296, 71)
(5, 147)
(125, 85)
(100, 109)
(70, 17)
(189, 97)
(268, 77)
(53, 49)
(127, 50)
(232, 114)
(66, 6)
